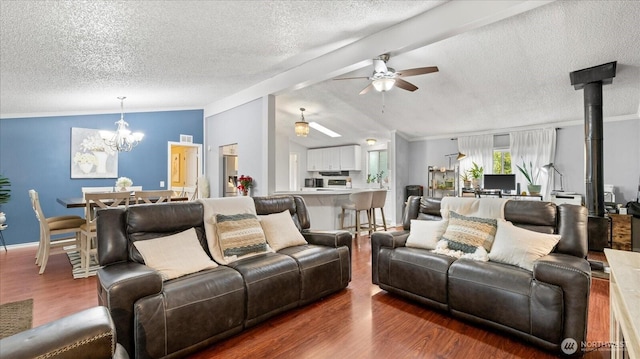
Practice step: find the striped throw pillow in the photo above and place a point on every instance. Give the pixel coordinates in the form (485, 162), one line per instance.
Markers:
(466, 234)
(240, 234)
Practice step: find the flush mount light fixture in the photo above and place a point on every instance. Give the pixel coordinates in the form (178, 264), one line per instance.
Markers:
(318, 127)
(371, 141)
(122, 140)
(302, 126)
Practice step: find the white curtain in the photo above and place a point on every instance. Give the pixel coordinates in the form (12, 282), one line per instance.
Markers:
(479, 149)
(537, 147)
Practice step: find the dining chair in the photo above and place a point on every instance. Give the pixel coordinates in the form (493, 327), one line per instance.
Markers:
(379, 197)
(158, 196)
(360, 202)
(93, 202)
(55, 232)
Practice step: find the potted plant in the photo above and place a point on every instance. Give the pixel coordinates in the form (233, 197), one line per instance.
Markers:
(476, 173)
(533, 186)
(5, 195)
(466, 179)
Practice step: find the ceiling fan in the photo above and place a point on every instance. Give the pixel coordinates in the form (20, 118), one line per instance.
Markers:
(385, 78)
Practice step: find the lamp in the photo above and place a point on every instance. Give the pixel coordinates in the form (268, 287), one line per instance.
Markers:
(549, 166)
(122, 140)
(383, 84)
(302, 126)
(371, 141)
(459, 156)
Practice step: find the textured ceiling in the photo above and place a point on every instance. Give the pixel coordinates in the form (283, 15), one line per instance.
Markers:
(62, 57)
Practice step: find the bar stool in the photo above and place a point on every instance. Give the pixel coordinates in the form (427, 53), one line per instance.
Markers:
(377, 201)
(360, 201)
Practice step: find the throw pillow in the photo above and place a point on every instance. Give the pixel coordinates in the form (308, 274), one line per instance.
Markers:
(425, 234)
(280, 230)
(465, 233)
(239, 235)
(175, 255)
(520, 247)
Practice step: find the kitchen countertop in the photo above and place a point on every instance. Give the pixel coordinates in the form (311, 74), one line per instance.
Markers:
(323, 192)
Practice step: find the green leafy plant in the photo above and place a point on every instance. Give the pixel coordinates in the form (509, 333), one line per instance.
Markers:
(476, 171)
(465, 176)
(5, 191)
(528, 173)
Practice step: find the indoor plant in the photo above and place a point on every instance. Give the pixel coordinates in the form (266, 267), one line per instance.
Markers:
(246, 182)
(5, 195)
(466, 179)
(532, 178)
(476, 173)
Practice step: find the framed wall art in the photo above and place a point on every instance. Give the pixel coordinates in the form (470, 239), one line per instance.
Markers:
(90, 156)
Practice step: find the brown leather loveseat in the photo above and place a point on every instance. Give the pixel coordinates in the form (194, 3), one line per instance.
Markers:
(544, 306)
(182, 315)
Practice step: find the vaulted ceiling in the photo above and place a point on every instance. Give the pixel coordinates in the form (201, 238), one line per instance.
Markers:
(503, 64)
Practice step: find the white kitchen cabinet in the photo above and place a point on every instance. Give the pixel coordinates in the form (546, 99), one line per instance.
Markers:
(341, 158)
(331, 159)
(350, 158)
(314, 159)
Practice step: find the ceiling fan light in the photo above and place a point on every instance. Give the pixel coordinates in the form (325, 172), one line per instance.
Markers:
(384, 84)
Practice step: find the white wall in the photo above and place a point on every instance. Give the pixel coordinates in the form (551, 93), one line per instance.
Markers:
(621, 147)
(400, 163)
(251, 126)
(621, 150)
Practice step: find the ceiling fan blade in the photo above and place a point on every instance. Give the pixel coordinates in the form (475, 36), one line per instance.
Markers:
(405, 85)
(417, 71)
(366, 89)
(352, 78)
(379, 66)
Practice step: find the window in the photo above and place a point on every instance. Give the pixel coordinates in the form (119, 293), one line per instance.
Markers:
(378, 163)
(502, 161)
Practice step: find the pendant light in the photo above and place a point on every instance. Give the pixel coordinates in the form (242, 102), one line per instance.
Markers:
(302, 126)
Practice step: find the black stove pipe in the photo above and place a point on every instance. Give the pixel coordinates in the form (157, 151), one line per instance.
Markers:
(591, 80)
(593, 130)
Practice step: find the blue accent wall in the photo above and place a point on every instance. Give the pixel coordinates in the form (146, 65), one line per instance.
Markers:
(35, 154)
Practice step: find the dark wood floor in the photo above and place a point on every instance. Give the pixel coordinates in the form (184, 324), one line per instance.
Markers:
(359, 322)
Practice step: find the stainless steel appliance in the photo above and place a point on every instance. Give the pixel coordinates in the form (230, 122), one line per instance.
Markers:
(337, 183)
(313, 182)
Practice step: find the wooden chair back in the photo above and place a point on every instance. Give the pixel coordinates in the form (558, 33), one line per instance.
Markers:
(153, 196)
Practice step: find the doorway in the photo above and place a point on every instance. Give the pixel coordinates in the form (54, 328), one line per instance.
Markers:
(184, 168)
(229, 179)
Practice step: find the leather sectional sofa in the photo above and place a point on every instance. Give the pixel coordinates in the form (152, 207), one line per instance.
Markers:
(544, 306)
(172, 318)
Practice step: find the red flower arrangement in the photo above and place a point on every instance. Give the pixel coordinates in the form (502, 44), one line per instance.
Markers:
(246, 182)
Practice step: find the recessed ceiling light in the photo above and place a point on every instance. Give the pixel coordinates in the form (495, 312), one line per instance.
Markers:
(326, 131)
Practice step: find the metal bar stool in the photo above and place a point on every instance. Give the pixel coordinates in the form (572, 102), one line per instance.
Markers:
(360, 201)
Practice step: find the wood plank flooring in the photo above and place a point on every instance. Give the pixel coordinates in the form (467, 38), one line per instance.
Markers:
(361, 321)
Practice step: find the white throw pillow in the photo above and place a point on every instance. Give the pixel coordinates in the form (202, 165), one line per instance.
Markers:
(425, 234)
(519, 246)
(281, 231)
(175, 255)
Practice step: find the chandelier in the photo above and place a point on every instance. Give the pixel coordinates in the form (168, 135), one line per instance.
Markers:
(122, 140)
(302, 126)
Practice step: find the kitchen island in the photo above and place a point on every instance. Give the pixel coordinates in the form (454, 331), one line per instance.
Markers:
(325, 206)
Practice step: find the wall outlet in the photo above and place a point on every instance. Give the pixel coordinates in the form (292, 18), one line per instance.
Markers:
(162, 184)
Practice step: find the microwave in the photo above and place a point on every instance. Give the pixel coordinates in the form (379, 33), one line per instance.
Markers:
(313, 182)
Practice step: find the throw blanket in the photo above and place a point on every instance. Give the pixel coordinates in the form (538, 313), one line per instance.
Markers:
(473, 207)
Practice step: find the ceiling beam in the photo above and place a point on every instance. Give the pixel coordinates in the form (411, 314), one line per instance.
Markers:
(447, 20)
